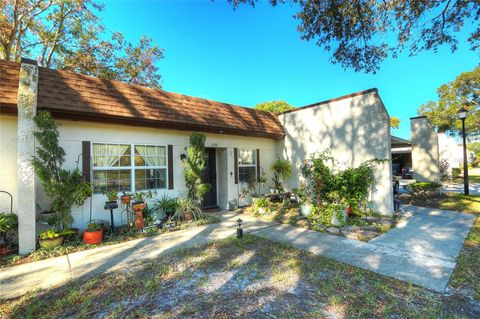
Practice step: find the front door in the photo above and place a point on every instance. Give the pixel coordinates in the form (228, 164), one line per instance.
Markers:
(209, 176)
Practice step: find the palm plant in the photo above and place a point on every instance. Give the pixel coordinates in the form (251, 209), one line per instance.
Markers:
(188, 209)
(282, 170)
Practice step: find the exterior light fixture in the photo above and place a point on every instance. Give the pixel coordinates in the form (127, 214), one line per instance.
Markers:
(183, 157)
(462, 115)
(239, 229)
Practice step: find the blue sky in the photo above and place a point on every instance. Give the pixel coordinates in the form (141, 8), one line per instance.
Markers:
(251, 55)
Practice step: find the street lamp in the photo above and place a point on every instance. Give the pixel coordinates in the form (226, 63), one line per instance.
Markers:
(462, 114)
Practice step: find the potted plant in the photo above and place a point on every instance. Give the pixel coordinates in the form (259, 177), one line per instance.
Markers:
(112, 199)
(93, 235)
(188, 210)
(139, 205)
(166, 206)
(50, 238)
(263, 205)
(126, 198)
(305, 200)
(8, 223)
(282, 170)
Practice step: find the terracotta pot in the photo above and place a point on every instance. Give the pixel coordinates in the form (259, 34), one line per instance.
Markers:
(138, 206)
(126, 199)
(4, 250)
(51, 243)
(92, 237)
(139, 220)
(187, 216)
(349, 211)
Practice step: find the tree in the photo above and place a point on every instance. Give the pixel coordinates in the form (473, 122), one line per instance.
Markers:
(274, 106)
(464, 91)
(357, 31)
(65, 188)
(394, 122)
(68, 34)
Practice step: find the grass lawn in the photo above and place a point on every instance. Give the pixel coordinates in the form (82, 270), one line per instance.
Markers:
(247, 278)
(76, 244)
(467, 273)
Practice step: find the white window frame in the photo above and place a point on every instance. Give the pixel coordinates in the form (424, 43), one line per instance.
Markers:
(132, 166)
(254, 165)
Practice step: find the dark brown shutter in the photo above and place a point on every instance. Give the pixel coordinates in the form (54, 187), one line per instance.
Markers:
(170, 166)
(86, 168)
(258, 165)
(235, 164)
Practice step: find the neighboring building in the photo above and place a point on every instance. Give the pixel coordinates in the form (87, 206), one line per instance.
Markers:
(425, 150)
(131, 138)
(401, 155)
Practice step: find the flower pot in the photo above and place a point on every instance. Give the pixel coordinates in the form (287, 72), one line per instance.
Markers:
(51, 243)
(4, 250)
(126, 199)
(349, 211)
(139, 220)
(305, 210)
(336, 222)
(187, 216)
(138, 206)
(262, 210)
(92, 237)
(272, 190)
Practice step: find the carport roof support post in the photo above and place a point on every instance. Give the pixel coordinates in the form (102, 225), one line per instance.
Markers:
(27, 108)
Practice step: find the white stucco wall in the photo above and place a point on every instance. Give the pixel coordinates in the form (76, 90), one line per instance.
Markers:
(425, 151)
(450, 151)
(72, 133)
(8, 162)
(355, 130)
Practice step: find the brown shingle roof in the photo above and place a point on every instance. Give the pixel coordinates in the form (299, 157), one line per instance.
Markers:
(81, 97)
(9, 73)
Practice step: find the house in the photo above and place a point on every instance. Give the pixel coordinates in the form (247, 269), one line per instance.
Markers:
(131, 138)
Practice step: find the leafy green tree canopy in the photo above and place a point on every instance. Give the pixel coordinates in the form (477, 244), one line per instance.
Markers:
(394, 122)
(464, 91)
(274, 106)
(69, 35)
(357, 32)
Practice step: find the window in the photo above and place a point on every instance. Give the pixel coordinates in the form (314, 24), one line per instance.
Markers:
(247, 165)
(129, 168)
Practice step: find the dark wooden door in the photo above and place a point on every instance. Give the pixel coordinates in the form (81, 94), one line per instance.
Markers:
(209, 176)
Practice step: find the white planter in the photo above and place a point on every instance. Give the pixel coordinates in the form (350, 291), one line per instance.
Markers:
(262, 210)
(336, 222)
(305, 210)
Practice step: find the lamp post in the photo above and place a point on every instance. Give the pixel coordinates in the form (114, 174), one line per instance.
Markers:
(462, 114)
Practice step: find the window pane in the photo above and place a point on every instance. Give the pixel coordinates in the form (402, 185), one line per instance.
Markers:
(246, 173)
(246, 157)
(150, 179)
(118, 180)
(149, 155)
(111, 155)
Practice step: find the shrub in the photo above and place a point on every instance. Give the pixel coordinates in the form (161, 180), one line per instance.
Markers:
(444, 166)
(194, 164)
(65, 188)
(456, 172)
(424, 190)
(263, 203)
(321, 216)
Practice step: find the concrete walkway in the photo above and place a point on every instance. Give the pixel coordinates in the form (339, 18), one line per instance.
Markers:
(421, 251)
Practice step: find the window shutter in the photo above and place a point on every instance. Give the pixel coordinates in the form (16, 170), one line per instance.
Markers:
(258, 165)
(170, 166)
(86, 167)
(235, 164)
